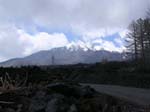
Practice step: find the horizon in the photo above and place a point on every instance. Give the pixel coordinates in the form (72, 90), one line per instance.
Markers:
(29, 26)
(70, 49)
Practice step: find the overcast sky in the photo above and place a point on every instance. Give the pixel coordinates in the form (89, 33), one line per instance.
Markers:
(28, 26)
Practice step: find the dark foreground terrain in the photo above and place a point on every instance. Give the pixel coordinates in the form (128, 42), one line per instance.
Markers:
(63, 97)
(111, 73)
(60, 88)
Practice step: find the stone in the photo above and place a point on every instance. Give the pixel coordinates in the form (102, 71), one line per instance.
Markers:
(38, 102)
(72, 108)
(58, 103)
(9, 110)
(87, 91)
(65, 89)
(51, 106)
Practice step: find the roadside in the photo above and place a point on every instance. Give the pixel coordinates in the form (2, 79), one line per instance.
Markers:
(135, 95)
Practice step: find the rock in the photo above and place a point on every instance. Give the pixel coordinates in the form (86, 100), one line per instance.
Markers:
(23, 104)
(61, 97)
(19, 109)
(72, 108)
(57, 96)
(9, 110)
(38, 102)
(37, 106)
(89, 105)
(51, 106)
(58, 103)
(65, 89)
(87, 91)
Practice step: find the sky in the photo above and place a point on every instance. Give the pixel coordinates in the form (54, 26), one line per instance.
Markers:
(28, 26)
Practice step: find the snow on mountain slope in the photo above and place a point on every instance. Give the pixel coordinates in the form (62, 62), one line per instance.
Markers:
(70, 54)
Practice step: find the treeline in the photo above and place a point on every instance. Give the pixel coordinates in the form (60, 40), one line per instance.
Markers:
(114, 73)
(138, 40)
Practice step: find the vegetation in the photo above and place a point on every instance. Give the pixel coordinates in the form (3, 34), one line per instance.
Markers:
(138, 40)
(115, 73)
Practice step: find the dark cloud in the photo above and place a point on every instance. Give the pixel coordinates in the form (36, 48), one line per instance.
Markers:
(89, 13)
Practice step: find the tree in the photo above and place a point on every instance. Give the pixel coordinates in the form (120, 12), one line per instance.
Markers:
(141, 39)
(132, 41)
(147, 39)
(138, 40)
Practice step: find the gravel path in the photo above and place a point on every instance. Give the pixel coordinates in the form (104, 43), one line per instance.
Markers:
(135, 95)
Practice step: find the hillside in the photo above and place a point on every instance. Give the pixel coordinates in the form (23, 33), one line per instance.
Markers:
(64, 56)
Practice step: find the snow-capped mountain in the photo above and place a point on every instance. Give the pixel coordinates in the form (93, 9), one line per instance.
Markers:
(70, 54)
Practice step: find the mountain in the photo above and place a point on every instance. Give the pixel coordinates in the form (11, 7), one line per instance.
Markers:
(70, 54)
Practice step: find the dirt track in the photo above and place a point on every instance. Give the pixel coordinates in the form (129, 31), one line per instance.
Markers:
(135, 95)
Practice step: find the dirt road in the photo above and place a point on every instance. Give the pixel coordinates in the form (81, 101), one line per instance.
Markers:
(135, 95)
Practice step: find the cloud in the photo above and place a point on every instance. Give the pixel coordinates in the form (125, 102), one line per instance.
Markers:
(9, 42)
(42, 41)
(65, 13)
(108, 45)
(111, 47)
(17, 43)
(2, 58)
(91, 20)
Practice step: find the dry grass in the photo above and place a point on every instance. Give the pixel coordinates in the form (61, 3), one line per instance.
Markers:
(8, 84)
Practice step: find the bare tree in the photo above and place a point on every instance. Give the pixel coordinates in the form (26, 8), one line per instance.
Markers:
(141, 38)
(138, 40)
(132, 40)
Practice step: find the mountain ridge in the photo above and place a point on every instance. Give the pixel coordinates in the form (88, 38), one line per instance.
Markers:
(64, 55)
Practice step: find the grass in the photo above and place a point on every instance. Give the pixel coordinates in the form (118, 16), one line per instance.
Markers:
(9, 84)
(112, 73)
